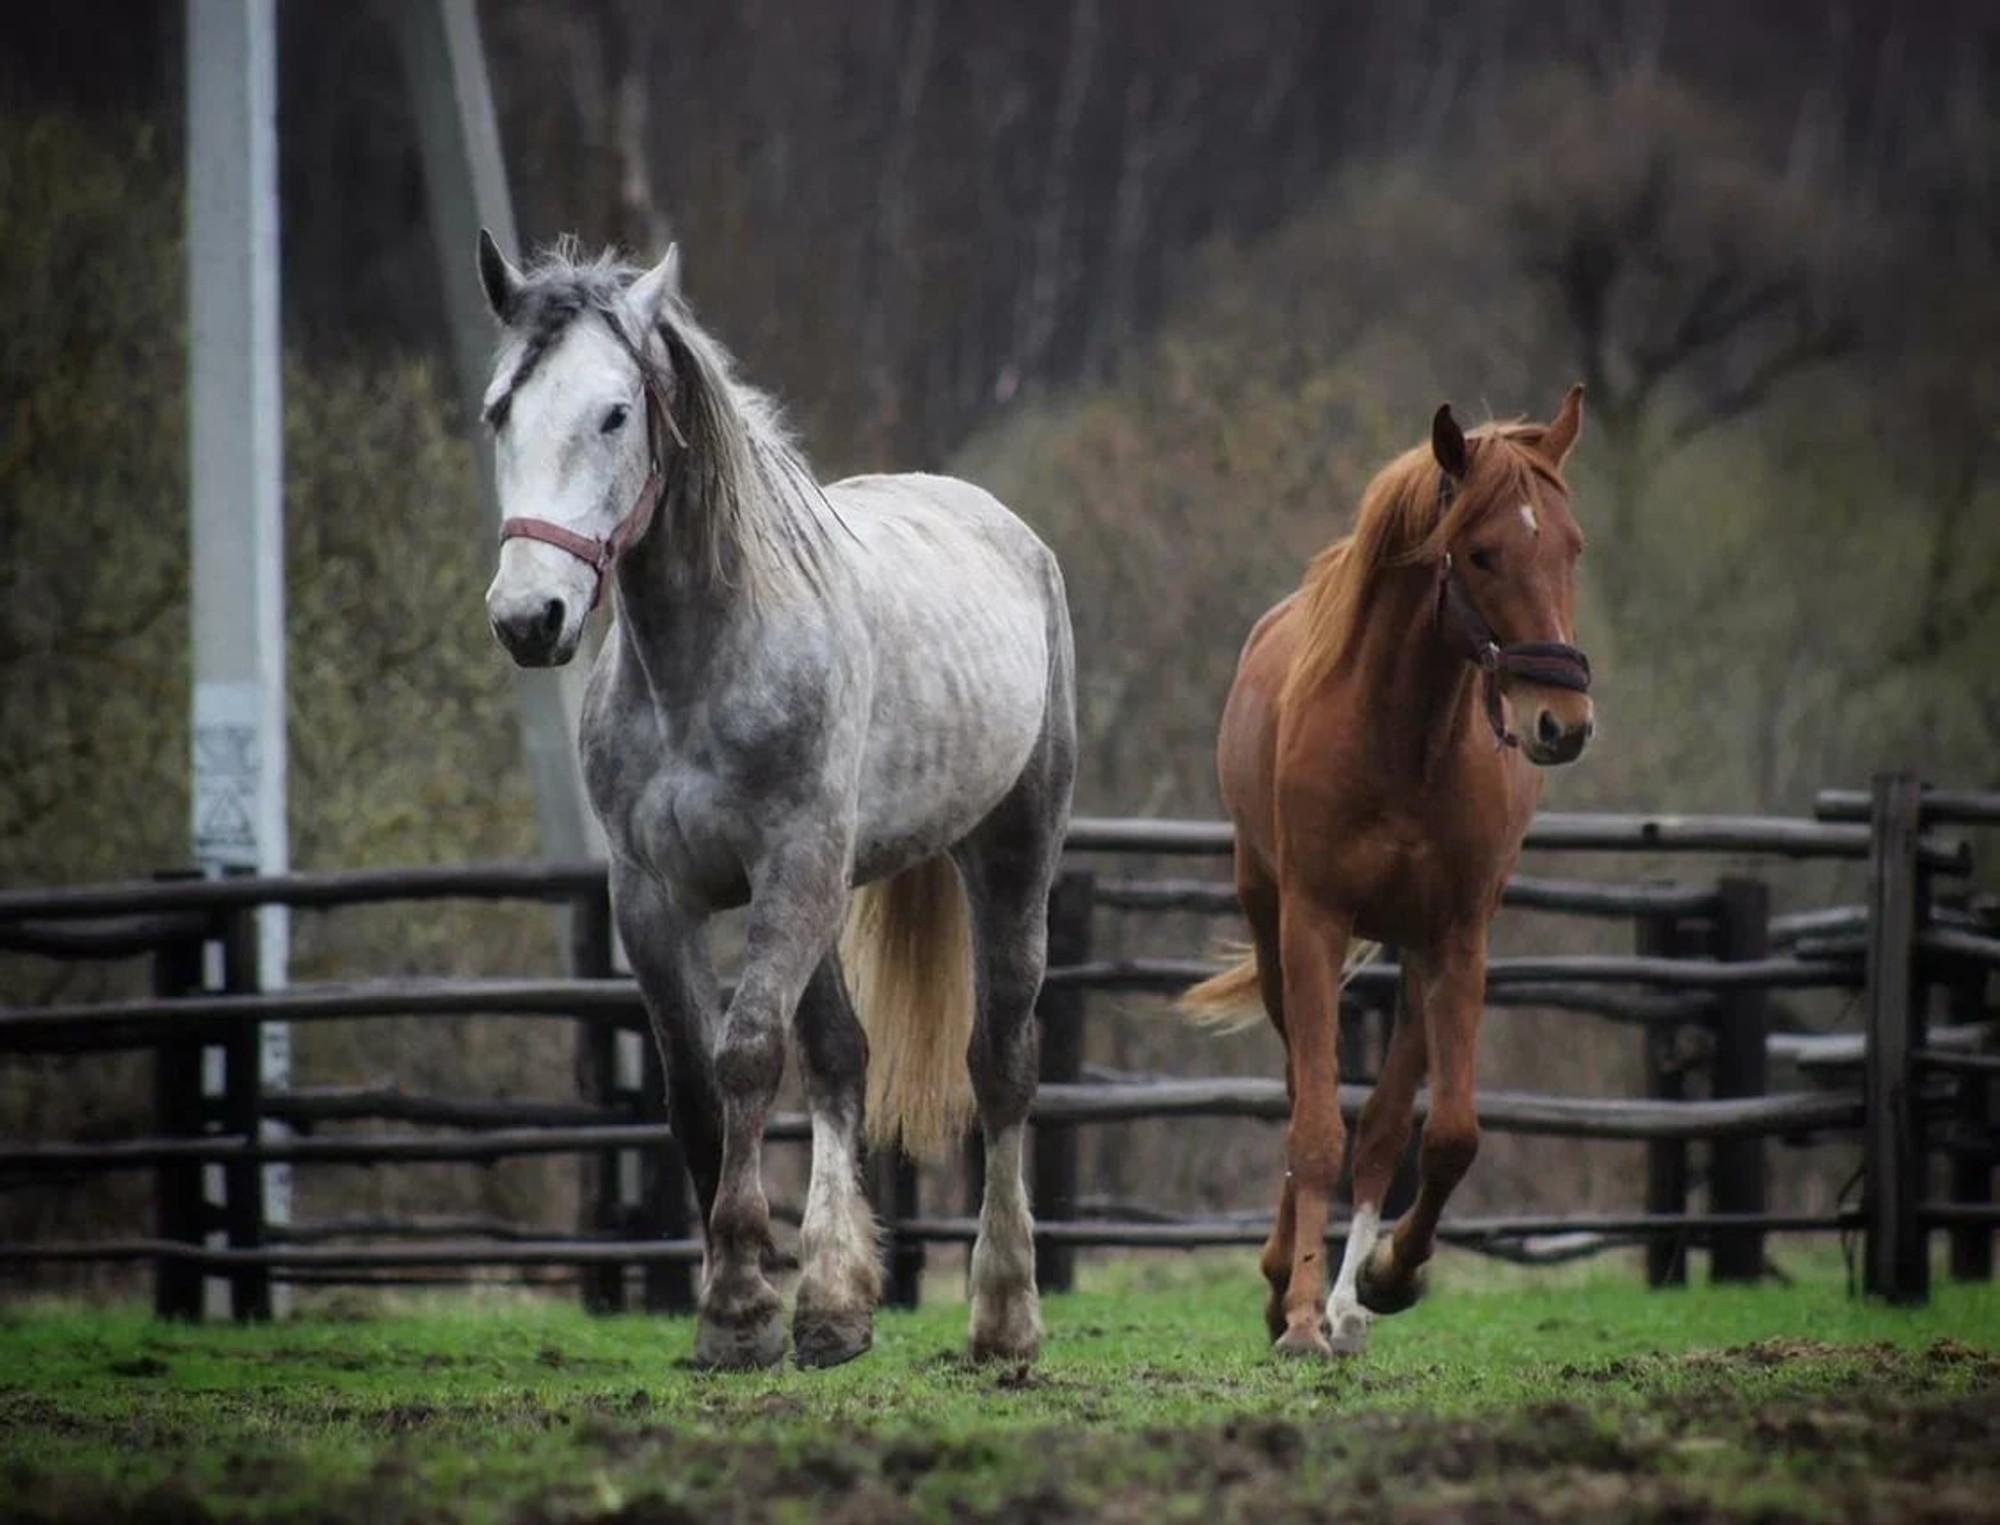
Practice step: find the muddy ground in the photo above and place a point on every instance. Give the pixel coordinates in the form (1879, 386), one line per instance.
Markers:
(1895, 1435)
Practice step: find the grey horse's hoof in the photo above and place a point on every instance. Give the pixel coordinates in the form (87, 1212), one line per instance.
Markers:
(820, 1339)
(1006, 1329)
(1380, 1290)
(748, 1342)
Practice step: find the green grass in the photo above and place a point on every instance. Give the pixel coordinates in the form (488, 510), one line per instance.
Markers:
(1155, 1400)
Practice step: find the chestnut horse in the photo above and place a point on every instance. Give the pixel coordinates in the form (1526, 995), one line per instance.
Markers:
(1370, 763)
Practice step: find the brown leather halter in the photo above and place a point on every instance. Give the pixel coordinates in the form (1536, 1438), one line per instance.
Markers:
(601, 555)
(1553, 664)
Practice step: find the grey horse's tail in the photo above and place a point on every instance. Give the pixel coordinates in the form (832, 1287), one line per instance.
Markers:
(907, 951)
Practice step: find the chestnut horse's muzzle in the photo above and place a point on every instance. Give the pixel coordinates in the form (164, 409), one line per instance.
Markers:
(1547, 664)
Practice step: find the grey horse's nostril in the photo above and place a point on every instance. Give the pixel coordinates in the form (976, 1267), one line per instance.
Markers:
(1548, 729)
(552, 618)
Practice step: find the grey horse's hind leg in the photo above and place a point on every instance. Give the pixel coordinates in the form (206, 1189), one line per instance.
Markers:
(840, 1278)
(1009, 864)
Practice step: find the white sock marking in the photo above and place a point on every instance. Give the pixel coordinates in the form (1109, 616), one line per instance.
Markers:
(1360, 1240)
(1004, 1256)
(836, 1240)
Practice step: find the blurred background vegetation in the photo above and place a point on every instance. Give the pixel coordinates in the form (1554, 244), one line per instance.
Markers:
(1172, 279)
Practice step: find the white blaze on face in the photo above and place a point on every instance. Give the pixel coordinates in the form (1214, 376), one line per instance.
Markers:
(554, 459)
(1528, 514)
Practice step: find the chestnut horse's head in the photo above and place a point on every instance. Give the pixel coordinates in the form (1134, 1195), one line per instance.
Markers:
(1507, 574)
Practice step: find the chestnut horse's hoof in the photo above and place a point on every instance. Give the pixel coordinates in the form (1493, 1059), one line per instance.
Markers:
(1381, 1289)
(1304, 1340)
(1347, 1332)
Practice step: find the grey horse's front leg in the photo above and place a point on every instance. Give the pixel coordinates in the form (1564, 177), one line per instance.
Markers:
(668, 951)
(798, 895)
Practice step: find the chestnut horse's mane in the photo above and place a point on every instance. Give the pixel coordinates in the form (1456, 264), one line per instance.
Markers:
(1399, 525)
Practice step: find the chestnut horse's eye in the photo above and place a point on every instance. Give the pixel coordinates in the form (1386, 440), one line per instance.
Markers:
(1482, 559)
(614, 420)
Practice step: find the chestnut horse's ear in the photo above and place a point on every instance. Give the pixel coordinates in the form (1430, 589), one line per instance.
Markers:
(1448, 443)
(1560, 436)
(500, 279)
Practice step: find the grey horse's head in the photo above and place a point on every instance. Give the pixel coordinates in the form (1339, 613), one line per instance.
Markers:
(573, 460)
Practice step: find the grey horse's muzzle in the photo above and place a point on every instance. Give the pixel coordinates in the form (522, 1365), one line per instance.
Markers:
(533, 628)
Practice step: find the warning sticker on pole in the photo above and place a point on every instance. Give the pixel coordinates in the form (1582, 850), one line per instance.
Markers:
(226, 758)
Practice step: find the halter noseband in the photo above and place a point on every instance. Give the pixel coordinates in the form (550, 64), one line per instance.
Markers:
(1553, 664)
(600, 555)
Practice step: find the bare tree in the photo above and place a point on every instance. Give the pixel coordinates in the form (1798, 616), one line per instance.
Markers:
(1687, 279)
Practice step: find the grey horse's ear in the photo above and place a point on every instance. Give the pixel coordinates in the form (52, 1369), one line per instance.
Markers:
(500, 279)
(650, 292)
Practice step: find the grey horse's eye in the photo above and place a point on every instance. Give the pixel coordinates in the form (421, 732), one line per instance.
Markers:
(614, 420)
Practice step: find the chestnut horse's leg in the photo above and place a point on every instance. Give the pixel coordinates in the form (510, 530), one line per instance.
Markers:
(1454, 997)
(1276, 1261)
(1379, 1140)
(1313, 943)
(1260, 907)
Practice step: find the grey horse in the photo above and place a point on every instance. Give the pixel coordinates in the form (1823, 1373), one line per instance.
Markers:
(849, 707)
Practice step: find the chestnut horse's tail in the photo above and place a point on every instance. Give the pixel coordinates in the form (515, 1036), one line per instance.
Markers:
(1233, 1000)
(907, 952)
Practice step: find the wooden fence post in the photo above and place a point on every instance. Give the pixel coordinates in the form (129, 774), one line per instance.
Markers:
(1896, 1263)
(243, 1115)
(1742, 1027)
(894, 1191)
(603, 1211)
(1971, 1167)
(1659, 934)
(665, 1209)
(178, 1206)
(1060, 1013)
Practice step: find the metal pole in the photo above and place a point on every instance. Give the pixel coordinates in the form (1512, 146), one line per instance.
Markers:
(236, 483)
(465, 182)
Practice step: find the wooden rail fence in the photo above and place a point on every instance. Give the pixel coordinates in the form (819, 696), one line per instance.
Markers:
(1699, 983)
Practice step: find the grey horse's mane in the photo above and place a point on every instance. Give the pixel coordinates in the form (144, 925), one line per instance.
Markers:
(745, 506)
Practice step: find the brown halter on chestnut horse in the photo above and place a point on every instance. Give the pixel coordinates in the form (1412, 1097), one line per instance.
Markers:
(1378, 792)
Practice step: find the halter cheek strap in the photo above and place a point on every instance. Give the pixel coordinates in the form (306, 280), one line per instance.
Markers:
(601, 555)
(1551, 664)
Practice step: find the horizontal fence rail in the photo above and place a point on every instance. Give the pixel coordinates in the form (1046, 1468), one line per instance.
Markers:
(1766, 836)
(139, 1023)
(1079, 1102)
(1191, 1233)
(1943, 807)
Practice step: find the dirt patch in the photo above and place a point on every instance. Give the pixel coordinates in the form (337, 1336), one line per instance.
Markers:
(1879, 1439)
(139, 1366)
